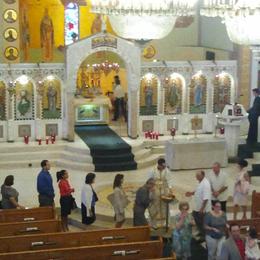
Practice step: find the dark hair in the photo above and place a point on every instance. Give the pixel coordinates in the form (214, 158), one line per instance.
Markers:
(242, 163)
(60, 174)
(233, 225)
(44, 163)
(90, 178)
(161, 161)
(9, 180)
(118, 180)
(256, 90)
(117, 81)
(215, 202)
(252, 232)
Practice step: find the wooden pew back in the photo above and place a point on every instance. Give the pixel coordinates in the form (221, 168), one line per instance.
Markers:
(245, 224)
(32, 227)
(33, 214)
(73, 239)
(255, 206)
(133, 251)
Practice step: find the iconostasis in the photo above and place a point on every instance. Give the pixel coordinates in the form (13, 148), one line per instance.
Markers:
(177, 94)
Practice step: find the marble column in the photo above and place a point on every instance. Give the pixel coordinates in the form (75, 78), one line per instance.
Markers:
(70, 116)
(255, 59)
(133, 112)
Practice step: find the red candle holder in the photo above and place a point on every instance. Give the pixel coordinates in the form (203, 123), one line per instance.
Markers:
(222, 130)
(26, 139)
(39, 141)
(157, 136)
(47, 140)
(53, 137)
(173, 131)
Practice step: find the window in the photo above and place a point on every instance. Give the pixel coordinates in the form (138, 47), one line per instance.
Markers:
(71, 23)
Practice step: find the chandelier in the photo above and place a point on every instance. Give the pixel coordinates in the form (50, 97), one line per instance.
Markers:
(241, 17)
(143, 19)
(106, 67)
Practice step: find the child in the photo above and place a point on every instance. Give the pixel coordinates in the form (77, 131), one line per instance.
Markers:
(252, 249)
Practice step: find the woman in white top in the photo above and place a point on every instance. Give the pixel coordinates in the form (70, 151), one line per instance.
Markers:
(88, 200)
(119, 201)
(241, 189)
(252, 248)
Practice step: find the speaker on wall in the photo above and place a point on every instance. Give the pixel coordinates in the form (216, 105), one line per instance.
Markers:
(210, 55)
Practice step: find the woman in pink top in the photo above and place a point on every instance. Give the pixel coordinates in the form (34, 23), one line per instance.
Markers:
(241, 189)
(65, 197)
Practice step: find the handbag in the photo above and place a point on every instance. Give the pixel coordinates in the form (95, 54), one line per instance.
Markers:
(73, 203)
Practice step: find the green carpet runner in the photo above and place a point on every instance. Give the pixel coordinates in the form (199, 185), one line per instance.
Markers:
(108, 150)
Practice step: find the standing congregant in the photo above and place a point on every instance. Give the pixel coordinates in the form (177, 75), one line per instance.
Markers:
(219, 187)
(45, 186)
(202, 199)
(254, 113)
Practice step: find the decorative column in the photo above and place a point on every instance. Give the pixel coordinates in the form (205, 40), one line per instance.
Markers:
(10, 31)
(10, 113)
(71, 116)
(39, 134)
(133, 107)
(254, 70)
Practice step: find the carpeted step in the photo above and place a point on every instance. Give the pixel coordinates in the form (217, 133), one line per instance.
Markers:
(103, 151)
(113, 167)
(101, 159)
(108, 150)
(246, 151)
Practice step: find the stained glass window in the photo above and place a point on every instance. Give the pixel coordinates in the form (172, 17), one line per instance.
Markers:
(71, 23)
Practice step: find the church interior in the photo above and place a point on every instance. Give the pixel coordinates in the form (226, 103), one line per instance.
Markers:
(110, 87)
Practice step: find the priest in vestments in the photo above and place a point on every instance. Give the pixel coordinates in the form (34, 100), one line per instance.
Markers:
(253, 114)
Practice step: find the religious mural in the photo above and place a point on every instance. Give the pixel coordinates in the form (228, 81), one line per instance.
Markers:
(25, 37)
(2, 101)
(148, 95)
(47, 36)
(24, 100)
(11, 53)
(222, 92)
(51, 100)
(149, 52)
(173, 95)
(198, 94)
(10, 16)
(10, 34)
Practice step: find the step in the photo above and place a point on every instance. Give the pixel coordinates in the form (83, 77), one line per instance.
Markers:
(104, 151)
(149, 161)
(126, 166)
(74, 165)
(76, 157)
(14, 148)
(144, 153)
(28, 156)
(82, 150)
(103, 159)
(158, 149)
(257, 156)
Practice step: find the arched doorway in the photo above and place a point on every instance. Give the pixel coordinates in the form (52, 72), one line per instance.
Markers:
(129, 53)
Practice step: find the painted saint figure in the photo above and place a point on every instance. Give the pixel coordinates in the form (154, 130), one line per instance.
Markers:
(173, 97)
(52, 97)
(25, 37)
(148, 90)
(47, 36)
(198, 93)
(24, 104)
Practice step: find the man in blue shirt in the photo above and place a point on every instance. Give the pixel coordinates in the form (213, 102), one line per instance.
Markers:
(44, 185)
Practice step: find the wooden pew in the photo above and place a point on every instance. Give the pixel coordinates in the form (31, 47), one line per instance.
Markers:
(72, 239)
(32, 227)
(255, 206)
(33, 214)
(132, 250)
(245, 224)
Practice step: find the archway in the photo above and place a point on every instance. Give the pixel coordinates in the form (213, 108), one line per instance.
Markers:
(128, 51)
